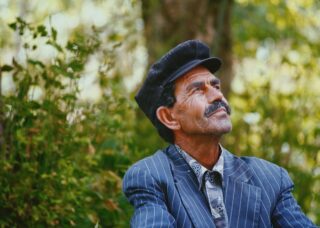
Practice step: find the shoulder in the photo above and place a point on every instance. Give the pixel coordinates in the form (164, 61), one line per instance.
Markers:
(274, 174)
(151, 162)
(253, 163)
(267, 168)
(261, 165)
(263, 171)
(155, 165)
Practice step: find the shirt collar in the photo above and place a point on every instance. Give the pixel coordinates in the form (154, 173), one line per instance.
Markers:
(200, 170)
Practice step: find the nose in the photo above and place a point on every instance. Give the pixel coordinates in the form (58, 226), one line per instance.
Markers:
(213, 94)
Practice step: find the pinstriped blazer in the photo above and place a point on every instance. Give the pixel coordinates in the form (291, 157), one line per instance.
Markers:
(164, 192)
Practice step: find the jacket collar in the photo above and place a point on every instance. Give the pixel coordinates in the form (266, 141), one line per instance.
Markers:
(194, 201)
(239, 194)
(237, 175)
(235, 167)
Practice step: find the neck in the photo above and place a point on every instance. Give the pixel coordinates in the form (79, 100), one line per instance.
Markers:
(205, 150)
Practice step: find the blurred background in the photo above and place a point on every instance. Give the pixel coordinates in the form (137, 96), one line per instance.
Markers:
(69, 126)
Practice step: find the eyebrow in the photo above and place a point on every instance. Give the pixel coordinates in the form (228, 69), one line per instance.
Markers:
(199, 84)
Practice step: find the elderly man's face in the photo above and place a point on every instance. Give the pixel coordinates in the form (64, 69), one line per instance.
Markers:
(200, 106)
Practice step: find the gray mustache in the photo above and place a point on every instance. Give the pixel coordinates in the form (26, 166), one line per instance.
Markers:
(216, 105)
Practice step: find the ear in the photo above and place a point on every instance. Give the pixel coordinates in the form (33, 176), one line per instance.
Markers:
(166, 117)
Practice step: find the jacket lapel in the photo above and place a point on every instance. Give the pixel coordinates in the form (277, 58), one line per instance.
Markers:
(192, 198)
(242, 200)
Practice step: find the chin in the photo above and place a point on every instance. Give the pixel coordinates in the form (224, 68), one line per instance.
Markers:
(224, 128)
(229, 127)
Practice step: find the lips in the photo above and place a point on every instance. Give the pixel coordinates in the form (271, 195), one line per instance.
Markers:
(221, 109)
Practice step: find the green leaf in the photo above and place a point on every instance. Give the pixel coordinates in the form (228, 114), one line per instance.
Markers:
(54, 44)
(21, 21)
(115, 37)
(34, 105)
(26, 46)
(13, 26)
(16, 64)
(76, 65)
(36, 62)
(54, 33)
(58, 70)
(42, 30)
(6, 68)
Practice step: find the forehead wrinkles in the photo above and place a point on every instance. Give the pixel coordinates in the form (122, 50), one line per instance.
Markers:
(200, 76)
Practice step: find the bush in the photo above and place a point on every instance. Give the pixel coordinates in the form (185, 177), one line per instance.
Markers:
(62, 160)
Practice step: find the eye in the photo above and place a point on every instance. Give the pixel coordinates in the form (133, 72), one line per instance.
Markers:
(198, 89)
(215, 85)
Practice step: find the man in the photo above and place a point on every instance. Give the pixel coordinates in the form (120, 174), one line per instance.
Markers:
(195, 182)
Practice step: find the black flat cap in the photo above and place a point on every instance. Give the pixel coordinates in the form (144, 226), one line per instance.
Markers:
(177, 62)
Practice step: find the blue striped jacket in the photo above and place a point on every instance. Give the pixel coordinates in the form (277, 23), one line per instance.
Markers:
(164, 192)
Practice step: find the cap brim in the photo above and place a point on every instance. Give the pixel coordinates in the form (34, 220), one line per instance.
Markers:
(212, 64)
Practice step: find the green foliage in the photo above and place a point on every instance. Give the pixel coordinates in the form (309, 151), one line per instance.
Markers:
(62, 160)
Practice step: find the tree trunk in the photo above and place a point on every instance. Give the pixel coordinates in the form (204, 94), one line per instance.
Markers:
(2, 146)
(170, 22)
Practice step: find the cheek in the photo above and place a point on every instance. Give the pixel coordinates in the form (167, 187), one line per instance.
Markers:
(194, 106)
